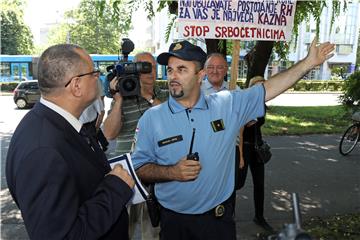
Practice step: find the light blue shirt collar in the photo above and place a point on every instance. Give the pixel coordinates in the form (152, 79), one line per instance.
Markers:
(176, 107)
(208, 88)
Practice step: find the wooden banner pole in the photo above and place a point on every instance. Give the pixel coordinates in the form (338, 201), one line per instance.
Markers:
(234, 64)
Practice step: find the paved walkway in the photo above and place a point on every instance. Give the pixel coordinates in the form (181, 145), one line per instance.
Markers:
(327, 184)
(306, 99)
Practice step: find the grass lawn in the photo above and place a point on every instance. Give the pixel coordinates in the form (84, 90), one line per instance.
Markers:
(305, 120)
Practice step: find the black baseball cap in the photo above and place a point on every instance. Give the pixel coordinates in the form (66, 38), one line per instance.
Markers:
(183, 50)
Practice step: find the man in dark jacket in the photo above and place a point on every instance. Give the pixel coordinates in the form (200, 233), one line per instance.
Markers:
(56, 173)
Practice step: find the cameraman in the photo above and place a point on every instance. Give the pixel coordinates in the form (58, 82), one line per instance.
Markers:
(121, 123)
(125, 112)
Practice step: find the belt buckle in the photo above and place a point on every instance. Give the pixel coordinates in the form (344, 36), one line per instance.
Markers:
(219, 210)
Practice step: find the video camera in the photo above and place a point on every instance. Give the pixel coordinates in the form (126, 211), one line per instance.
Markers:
(127, 72)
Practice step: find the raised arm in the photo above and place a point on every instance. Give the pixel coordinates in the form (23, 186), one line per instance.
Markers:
(282, 81)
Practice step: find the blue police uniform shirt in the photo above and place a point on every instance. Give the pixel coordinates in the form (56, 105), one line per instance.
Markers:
(163, 137)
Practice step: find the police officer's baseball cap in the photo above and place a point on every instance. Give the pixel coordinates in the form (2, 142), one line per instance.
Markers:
(183, 50)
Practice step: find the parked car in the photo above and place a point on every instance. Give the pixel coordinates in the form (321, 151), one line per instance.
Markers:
(26, 94)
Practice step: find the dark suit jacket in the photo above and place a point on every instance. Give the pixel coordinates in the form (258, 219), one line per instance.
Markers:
(58, 182)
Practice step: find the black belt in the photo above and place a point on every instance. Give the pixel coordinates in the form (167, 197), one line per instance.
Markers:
(217, 211)
(220, 209)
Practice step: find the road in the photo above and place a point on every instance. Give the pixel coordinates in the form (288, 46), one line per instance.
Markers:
(327, 182)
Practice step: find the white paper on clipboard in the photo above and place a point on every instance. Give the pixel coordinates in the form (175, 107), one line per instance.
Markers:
(140, 192)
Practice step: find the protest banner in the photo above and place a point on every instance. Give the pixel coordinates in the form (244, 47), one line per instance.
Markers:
(269, 20)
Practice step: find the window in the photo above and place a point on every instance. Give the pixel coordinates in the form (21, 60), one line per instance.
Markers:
(344, 49)
(5, 69)
(103, 65)
(243, 68)
(33, 85)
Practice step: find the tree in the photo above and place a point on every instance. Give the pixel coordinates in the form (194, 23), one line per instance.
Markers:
(358, 54)
(16, 36)
(351, 96)
(97, 34)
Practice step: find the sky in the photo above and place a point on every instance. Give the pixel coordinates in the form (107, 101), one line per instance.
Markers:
(40, 12)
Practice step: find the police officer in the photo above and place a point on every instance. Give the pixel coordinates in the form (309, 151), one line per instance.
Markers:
(196, 195)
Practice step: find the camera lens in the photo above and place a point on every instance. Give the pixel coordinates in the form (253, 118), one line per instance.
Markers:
(129, 84)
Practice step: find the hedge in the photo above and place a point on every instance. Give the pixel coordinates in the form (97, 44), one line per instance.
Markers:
(8, 86)
(302, 85)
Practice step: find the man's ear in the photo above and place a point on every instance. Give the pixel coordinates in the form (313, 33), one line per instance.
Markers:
(76, 88)
(201, 75)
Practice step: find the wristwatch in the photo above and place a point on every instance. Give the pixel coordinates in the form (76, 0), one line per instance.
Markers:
(151, 100)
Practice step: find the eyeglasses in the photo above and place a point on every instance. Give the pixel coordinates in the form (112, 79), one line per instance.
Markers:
(94, 73)
(213, 67)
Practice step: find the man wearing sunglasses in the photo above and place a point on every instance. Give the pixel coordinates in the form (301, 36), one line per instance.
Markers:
(57, 174)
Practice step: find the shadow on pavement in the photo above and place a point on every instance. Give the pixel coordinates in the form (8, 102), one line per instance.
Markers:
(12, 225)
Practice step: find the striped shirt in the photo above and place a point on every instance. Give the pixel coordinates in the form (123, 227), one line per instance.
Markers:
(132, 109)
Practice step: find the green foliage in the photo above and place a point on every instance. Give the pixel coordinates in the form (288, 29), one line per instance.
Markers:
(351, 96)
(163, 84)
(305, 120)
(339, 72)
(8, 86)
(302, 85)
(169, 26)
(345, 226)
(96, 34)
(16, 37)
(320, 85)
(334, 227)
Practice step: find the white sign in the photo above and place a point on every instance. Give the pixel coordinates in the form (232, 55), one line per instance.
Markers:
(270, 20)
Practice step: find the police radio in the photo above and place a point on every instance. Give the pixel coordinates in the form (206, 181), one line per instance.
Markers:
(192, 156)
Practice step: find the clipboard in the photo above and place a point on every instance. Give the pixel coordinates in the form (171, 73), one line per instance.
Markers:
(140, 193)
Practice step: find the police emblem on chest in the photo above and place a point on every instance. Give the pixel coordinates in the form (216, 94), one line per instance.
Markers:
(218, 125)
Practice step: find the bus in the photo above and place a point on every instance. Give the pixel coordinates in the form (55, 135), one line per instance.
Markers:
(16, 68)
(24, 67)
